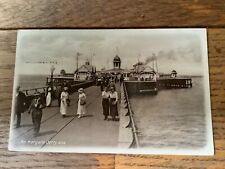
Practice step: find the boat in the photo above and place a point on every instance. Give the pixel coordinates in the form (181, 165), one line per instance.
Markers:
(145, 79)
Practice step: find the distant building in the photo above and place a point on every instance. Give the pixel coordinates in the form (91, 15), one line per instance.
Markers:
(116, 62)
(143, 72)
(85, 72)
(116, 66)
(63, 73)
(173, 74)
(139, 67)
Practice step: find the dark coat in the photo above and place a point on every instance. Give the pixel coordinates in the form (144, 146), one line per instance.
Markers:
(36, 112)
(105, 106)
(113, 107)
(20, 103)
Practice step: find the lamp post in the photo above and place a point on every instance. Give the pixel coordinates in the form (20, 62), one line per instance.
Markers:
(52, 69)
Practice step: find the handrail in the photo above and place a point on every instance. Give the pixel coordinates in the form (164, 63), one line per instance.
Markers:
(45, 87)
(134, 129)
(34, 89)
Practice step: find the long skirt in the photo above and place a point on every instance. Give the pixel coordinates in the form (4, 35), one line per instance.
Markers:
(18, 116)
(48, 99)
(105, 106)
(63, 107)
(113, 109)
(36, 118)
(81, 109)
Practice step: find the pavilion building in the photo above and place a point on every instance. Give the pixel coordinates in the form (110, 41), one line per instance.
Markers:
(85, 72)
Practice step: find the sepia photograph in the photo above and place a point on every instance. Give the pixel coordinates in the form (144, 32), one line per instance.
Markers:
(127, 91)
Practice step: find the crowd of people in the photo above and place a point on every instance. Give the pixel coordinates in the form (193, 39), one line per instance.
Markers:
(109, 103)
(110, 96)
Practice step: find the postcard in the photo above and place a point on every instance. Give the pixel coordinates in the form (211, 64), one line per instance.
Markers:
(129, 91)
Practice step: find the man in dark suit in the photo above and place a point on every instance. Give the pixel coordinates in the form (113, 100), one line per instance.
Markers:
(20, 102)
(36, 112)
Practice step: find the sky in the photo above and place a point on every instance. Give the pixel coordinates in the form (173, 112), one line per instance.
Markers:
(184, 50)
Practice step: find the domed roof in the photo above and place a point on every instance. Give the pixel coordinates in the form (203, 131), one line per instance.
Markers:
(174, 71)
(116, 59)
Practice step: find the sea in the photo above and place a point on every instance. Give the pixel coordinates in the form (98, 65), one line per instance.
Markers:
(174, 118)
(31, 81)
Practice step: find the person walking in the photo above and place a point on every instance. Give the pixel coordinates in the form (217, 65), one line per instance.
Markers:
(20, 105)
(36, 113)
(105, 102)
(111, 84)
(64, 102)
(121, 79)
(113, 103)
(58, 94)
(102, 84)
(49, 97)
(81, 107)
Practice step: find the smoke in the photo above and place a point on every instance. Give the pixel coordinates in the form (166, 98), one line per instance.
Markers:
(150, 59)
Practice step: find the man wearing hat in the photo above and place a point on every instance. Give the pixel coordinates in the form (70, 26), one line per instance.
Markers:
(81, 107)
(36, 112)
(20, 103)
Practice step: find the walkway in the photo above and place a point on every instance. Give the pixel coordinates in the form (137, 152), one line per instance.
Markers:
(55, 131)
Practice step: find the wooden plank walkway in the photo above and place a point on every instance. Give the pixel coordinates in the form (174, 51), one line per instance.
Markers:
(89, 131)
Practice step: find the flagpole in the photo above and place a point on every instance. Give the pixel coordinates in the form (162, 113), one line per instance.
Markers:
(77, 60)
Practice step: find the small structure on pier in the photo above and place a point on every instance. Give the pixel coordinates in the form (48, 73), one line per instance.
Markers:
(116, 62)
(85, 72)
(116, 67)
(173, 74)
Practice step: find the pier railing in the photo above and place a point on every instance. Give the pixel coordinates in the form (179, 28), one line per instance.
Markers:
(135, 142)
(30, 93)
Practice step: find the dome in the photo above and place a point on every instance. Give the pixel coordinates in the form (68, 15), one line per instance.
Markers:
(116, 59)
(174, 71)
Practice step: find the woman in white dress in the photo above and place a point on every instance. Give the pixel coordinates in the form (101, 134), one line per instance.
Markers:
(49, 98)
(64, 102)
(81, 108)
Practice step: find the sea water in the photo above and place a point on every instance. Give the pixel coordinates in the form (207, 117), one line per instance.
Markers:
(174, 118)
(31, 81)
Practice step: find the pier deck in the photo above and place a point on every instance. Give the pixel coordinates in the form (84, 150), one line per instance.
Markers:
(90, 130)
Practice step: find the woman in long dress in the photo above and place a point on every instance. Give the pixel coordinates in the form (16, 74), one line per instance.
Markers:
(113, 103)
(81, 108)
(49, 98)
(63, 105)
(105, 103)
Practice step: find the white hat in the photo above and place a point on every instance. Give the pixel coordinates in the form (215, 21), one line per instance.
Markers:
(81, 90)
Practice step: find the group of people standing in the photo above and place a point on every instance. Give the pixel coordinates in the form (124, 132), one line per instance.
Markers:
(35, 109)
(109, 102)
(39, 102)
(106, 80)
(65, 101)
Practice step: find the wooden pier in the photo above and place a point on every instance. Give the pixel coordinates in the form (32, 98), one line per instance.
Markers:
(152, 87)
(43, 90)
(141, 87)
(89, 131)
(174, 83)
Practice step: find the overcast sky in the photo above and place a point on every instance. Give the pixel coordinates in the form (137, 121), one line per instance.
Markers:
(183, 50)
